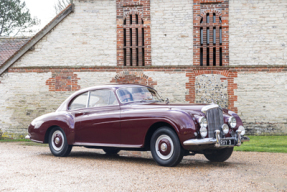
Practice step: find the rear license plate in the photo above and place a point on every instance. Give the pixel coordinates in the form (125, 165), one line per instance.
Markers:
(227, 142)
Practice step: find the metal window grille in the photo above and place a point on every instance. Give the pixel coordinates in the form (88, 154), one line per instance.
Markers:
(134, 37)
(211, 41)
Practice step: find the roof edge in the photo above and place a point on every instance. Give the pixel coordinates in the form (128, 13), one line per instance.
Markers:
(62, 15)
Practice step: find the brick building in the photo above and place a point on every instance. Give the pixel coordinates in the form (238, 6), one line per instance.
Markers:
(193, 51)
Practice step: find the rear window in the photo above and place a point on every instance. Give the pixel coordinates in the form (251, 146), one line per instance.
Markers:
(79, 102)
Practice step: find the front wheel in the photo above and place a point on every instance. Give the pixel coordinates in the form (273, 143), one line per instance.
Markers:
(219, 155)
(58, 143)
(165, 147)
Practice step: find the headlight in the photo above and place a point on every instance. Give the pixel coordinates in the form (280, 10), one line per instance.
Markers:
(242, 129)
(225, 129)
(203, 132)
(232, 122)
(203, 122)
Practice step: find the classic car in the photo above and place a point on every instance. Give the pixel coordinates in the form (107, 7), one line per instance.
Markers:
(134, 117)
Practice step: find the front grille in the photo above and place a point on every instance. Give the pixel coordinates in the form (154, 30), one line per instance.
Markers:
(215, 120)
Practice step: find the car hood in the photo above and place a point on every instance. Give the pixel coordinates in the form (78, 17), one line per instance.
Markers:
(194, 109)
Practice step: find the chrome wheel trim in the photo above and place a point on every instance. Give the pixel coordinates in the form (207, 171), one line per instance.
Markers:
(55, 137)
(164, 157)
(163, 147)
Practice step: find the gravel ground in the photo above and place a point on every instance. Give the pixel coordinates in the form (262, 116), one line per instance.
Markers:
(33, 168)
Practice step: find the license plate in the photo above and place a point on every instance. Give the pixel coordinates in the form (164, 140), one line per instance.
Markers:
(227, 142)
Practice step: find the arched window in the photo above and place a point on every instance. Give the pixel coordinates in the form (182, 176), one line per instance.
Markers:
(133, 37)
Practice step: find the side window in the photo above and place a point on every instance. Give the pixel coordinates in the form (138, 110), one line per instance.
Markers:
(79, 102)
(103, 97)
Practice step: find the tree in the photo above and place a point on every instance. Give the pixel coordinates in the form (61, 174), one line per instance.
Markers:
(15, 18)
(61, 4)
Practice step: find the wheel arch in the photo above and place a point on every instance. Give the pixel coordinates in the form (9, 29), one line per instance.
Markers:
(152, 129)
(46, 138)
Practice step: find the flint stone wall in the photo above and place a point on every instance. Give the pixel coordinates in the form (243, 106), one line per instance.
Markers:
(211, 88)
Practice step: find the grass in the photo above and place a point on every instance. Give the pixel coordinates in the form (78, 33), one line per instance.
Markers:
(14, 140)
(273, 144)
(22, 142)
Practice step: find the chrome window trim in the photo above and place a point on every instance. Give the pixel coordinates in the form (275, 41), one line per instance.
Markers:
(88, 100)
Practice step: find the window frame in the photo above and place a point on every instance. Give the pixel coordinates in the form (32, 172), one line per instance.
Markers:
(88, 100)
(118, 103)
(118, 97)
(72, 100)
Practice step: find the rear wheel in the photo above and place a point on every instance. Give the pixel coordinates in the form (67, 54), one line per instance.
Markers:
(111, 151)
(58, 143)
(219, 155)
(165, 147)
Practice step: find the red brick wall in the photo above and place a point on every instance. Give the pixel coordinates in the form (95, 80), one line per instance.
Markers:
(133, 77)
(63, 80)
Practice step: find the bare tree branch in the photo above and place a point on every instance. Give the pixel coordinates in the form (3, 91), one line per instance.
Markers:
(15, 17)
(61, 4)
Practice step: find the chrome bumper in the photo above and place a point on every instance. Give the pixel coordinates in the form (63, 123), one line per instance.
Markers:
(27, 137)
(206, 141)
(216, 141)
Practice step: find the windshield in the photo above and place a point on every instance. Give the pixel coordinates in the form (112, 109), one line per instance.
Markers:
(138, 94)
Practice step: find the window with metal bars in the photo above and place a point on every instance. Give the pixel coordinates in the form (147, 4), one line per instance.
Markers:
(210, 40)
(133, 37)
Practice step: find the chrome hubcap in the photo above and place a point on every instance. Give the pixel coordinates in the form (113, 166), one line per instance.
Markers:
(163, 147)
(57, 140)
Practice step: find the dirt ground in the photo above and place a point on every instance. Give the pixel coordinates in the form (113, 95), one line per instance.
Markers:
(34, 168)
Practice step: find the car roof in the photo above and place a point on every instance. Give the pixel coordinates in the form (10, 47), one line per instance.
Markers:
(109, 86)
(116, 86)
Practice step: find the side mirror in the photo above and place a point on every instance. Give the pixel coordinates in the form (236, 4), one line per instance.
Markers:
(166, 101)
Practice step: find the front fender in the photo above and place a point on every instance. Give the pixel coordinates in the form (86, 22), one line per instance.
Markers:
(183, 123)
(63, 120)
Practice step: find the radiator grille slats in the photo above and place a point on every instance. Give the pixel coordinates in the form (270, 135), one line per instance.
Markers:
(215, 121)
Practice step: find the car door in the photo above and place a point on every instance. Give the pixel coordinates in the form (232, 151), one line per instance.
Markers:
(100, 120)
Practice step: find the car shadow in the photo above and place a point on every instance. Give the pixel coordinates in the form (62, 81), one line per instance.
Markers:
(187, 162)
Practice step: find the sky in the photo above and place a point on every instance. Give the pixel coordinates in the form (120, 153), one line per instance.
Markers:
(43, 9)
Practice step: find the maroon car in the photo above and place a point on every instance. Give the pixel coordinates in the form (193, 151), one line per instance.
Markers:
(134, 117)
